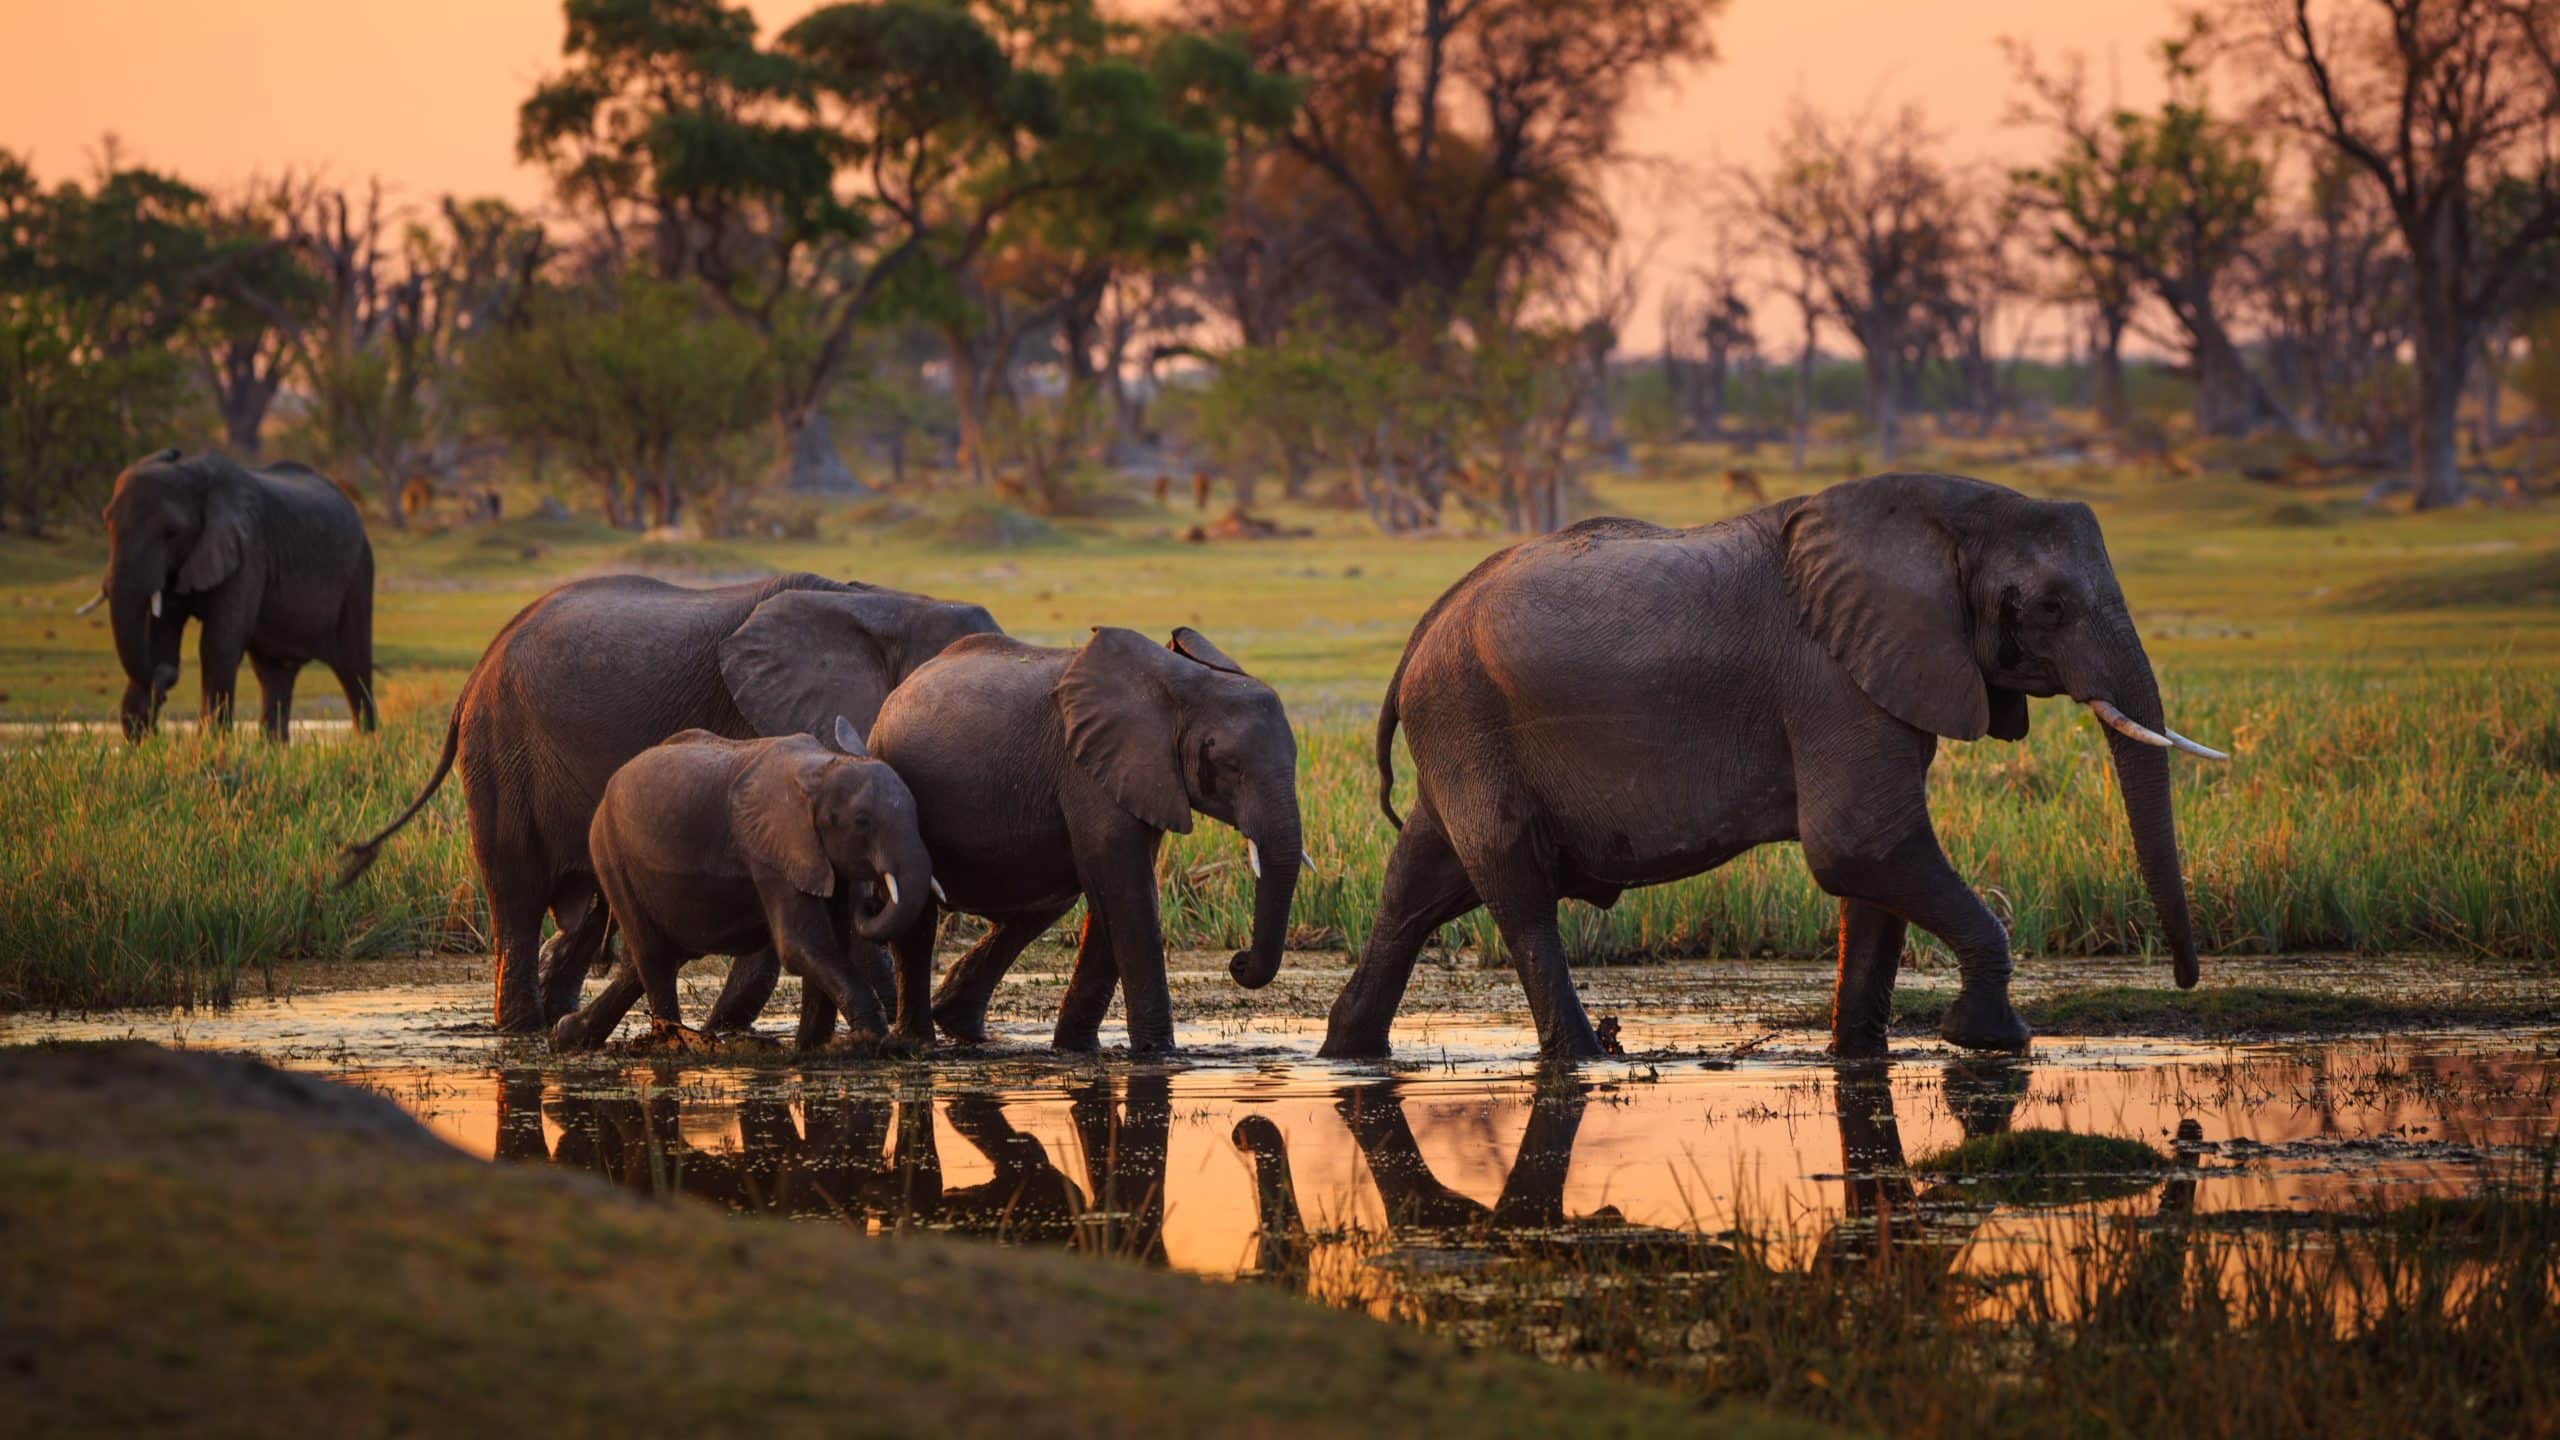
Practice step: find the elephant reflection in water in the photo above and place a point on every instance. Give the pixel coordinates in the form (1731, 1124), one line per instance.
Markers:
(1888, 1218)
(868, 1158)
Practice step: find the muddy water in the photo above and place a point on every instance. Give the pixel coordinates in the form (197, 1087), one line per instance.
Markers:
(1251, 1154)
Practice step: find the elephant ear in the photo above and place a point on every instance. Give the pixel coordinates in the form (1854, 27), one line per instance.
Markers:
(1873, 569)
(224, 541)
(805, 657)
(1123, 728)
(769, 808)
(1194, 645)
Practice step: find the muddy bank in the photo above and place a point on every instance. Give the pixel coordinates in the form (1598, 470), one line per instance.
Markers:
(201, 1245)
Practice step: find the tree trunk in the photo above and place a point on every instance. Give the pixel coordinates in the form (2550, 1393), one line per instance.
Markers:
(1804, 394)
(2440, 367)
(810, 460)
(2106, 363)
(968, 405)
(1884, 396)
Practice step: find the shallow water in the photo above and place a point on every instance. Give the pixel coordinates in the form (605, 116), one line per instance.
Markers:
(1250, 1155)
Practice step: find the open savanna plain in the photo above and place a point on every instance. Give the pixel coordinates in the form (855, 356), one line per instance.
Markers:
(2386, 682)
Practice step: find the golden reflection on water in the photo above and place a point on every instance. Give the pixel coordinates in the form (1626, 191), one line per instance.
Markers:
(1214, 1169)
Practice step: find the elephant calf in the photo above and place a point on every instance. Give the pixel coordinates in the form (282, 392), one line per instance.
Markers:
(706, 845)
(1049, 774)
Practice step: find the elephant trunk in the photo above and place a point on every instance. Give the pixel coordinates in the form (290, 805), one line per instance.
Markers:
(2142, 774)
(905, 887)
(133, 591)
(1271, 829)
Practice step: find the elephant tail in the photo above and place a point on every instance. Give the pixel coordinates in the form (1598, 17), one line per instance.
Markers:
(358, 858)
(1387, 752)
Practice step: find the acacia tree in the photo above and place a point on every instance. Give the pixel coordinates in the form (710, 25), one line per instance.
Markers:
(405, 300)
(2334, 289)
(630, 380)
(2170, 200)
(803, 181)
(250, 336)
(1447, 159)
(1874, 218)
(2441, 102)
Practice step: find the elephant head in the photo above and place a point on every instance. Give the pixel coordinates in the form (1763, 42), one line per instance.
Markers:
(1169, 729)
(811, 814)
(172, 524)
(805, 657)
(1949, 601)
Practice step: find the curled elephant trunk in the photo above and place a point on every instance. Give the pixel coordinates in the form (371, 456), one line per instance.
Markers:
(1272, 833)
(2142, 774)
(905, 887)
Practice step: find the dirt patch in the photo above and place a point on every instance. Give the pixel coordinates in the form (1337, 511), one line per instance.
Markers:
(199, 1244)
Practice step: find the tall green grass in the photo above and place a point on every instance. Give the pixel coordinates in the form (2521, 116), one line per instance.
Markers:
(2367, 809)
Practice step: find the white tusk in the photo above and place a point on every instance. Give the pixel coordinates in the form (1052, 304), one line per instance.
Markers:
(2127, 726)
(937, 891)
(2133, 729)
(94, 602)
(155, 604)
(1253, 857)
(892, 882)
(1306, 861)
(2203, 752)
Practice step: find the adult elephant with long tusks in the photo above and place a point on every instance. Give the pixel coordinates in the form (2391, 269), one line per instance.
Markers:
(599, 670)
(1042, 775)
(1619, 704)
(274, 565)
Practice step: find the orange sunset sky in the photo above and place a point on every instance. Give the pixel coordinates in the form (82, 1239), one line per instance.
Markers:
(424, 94)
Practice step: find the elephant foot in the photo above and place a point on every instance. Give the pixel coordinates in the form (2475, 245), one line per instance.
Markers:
(572, 1035)
(1984, 1020)
(967, 1026)
(1863, 1041)
(1571, 1045)
(1078, 1042)
(873, 1045)
(673, 1038)
(1353, 1038)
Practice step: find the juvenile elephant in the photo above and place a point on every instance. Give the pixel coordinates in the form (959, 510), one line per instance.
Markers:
(1046, 774)
(706, 845)
(597, 671)
(1619, 704)
(273, 562)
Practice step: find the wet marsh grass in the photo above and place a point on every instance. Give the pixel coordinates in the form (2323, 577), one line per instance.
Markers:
(2396, 787)
(2439, 1316)
(2368, 811)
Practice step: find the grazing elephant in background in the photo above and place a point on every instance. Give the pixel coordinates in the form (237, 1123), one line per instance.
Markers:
(273, 562)
(599, 670)
(1618, 704)
(706, 845)
(1046, 774)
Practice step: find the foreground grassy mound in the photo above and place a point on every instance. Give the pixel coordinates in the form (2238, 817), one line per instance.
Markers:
(2035, 1167)
(204, 1245)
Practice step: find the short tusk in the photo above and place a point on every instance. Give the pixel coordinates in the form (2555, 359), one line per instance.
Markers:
(2202, 752)
(1306, 861)
(155, 604)
(1253, 857)
(892, 882)
(94, 602)
(938, 896)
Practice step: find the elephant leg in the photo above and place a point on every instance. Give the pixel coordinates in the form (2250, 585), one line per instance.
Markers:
(1911, 879)
(579, 910)
(1089, 989)
(810, 944)
(913, 949)
(817, 1018)
(515, 920)
(960, 1006)
(744, 994)
(357, 685)
(1425, 888)
(1119, 877)
(275, 695)
(1523, 901)
(588, 1027)
(1862, 1000)
(219, 655)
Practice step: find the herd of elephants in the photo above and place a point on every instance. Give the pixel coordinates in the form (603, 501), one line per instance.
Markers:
(804, 773)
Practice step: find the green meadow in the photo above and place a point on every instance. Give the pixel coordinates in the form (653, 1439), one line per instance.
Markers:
(2386, 682)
